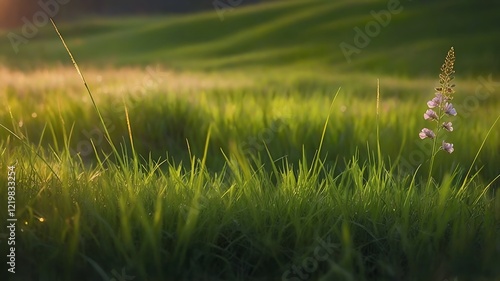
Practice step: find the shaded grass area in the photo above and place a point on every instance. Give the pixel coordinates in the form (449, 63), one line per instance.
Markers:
(160, 221)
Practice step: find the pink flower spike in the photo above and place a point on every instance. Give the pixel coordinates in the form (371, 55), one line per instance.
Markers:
(430, 115)
(436, 101)
(448, 147)
(449, 109)
(426, 133)
(448, 126)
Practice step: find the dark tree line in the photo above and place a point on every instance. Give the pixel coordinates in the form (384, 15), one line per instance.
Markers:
(150, 6)
(12, 11)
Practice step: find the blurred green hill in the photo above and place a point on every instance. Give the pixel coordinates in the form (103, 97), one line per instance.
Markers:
(408, 39)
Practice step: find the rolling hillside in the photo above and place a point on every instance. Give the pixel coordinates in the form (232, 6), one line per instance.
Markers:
(302, 34)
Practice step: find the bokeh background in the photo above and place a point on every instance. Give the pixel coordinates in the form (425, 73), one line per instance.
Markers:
(221, 34)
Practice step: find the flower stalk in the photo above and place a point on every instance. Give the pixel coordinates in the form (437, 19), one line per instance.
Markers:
(439, 109)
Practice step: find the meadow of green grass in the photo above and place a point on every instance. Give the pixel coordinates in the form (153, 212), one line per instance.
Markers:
(220, 155)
